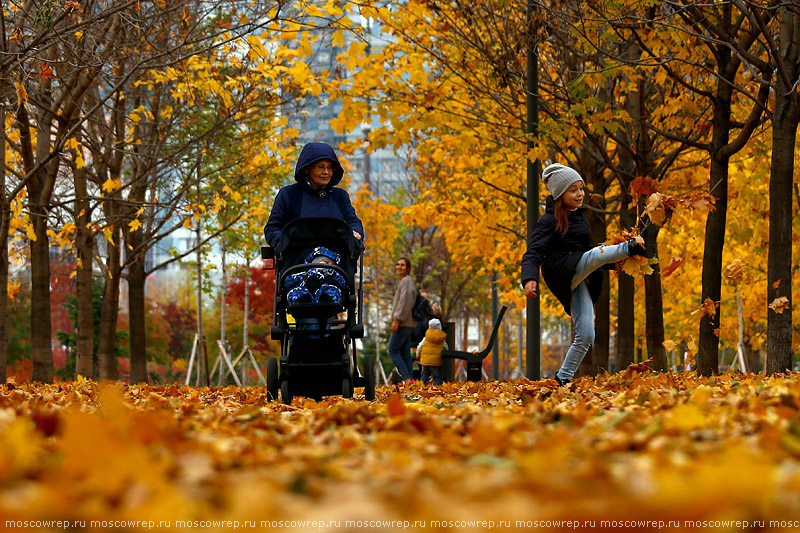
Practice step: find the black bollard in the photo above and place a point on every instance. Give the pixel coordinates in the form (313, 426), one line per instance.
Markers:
(447, 363)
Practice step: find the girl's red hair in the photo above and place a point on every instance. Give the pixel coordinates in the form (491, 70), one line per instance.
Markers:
(562, 217)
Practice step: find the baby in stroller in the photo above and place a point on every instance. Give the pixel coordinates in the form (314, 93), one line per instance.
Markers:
(316, 285)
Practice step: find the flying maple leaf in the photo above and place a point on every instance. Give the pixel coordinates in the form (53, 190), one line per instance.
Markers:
(672, 266)
(779, 304)
(709, 307)
(734, 272)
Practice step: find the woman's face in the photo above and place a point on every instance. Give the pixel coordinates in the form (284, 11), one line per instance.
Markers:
(573, 197)
(320, 173)
(401, 267)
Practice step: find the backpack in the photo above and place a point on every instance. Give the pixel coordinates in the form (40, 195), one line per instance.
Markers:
(420, 313)
(420, 309)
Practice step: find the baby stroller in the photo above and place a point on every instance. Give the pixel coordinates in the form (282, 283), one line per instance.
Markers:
(318, 350)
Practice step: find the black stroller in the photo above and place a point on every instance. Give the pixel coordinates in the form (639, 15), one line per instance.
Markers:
(318, 350)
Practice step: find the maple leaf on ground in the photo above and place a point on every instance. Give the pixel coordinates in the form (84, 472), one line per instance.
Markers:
(395, 405)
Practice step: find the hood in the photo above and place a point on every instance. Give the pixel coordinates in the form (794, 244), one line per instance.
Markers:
(550, 206)
(313, 152)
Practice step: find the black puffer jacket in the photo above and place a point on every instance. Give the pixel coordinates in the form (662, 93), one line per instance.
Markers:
(558, 255)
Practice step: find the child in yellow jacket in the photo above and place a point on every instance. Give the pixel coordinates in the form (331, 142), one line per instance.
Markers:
(429, 352)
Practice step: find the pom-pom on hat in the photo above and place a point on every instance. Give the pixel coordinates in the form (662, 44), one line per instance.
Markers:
(558, 178)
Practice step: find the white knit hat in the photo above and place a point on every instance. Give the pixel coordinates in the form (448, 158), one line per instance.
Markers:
(558, 178)
(434, 323)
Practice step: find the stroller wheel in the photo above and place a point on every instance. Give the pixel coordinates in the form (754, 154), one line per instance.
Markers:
(369, 378)
(286, 394)
(272, 379)
(347, 388)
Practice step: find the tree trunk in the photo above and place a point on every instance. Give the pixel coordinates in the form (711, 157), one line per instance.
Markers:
(654, 308)
(136, 304)
(246, 321)
(752, 358)
(3, 308)
(5, 219)
(626, 322)
(37, 186)
(784, 134)
(41, 347)
(106, 352)
(602, 333)
(84, 283)
(626, 289)
(708, 345)
(779, 260)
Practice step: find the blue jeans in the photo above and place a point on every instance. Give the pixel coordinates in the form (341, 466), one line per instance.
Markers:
(434, 372)
(400, 351)
(582, 306)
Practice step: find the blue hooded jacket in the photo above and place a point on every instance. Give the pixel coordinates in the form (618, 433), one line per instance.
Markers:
(301, 200)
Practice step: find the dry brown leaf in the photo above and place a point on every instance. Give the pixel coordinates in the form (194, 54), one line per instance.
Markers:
(780, 304)
(709, 307)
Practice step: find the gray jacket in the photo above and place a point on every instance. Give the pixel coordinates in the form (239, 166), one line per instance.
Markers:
(403, 302)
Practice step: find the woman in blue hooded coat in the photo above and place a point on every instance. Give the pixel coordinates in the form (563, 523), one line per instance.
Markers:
(315, 194)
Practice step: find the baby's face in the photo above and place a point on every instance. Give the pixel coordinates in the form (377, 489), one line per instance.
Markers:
(323, 260)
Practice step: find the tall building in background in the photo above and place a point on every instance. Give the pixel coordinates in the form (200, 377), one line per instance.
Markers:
(382, 171)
